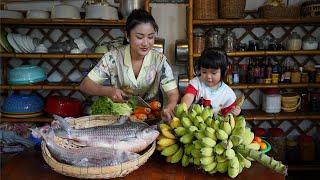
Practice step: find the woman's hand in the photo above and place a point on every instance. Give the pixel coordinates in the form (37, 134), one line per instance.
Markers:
(117, 95)
(167, 113)
(236, 110)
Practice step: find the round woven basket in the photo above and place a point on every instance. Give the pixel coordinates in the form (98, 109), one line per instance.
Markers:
(232, 9)
(105, 172)
(205, 9)
(290, 102)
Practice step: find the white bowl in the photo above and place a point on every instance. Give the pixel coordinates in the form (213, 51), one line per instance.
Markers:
(37, 14)
(11, 14)
(65, 11)
(95, 11)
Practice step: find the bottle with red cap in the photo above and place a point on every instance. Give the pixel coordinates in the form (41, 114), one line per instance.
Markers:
(277, 140)
(306, 148)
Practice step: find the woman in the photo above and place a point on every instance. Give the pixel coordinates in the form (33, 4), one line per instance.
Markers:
(135, 66)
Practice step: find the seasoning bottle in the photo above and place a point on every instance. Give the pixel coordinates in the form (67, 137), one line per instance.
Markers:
(292, 153)
(294, 41)
(230, 41)
(306, 148)
(278, 143)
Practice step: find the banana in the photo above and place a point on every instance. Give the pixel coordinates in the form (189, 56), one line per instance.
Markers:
(210, 167)
(208, 142)
(187, 138)
(160, 148)
(193, 129)
(168, 158)
(170, 150)
(180, 131)
(177, 156)
(175, 122)
(206, 151)
(206, 160)
(168, 134)
(232, 121)
(186, 122)
(164, 126)
(240, 100)
(166, 142)
(210, 132)
(185, 160)
(160, 137)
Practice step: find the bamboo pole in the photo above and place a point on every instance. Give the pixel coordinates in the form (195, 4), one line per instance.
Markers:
(190, 39)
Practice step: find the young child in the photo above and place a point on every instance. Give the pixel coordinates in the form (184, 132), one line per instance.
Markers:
(208, 89)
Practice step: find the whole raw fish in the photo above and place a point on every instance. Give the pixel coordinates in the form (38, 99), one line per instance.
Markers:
(86, 156)
(124, 135)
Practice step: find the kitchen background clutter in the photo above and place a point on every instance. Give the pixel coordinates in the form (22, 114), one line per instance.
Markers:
(249, 73)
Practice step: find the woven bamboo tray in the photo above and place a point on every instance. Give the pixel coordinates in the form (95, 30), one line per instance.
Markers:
(105, 172)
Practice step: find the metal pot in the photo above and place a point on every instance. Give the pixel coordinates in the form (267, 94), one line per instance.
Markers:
(127, 6)
(159, 45)
(181, 51)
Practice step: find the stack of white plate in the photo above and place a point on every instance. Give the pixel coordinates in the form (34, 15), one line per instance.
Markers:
(21, 43)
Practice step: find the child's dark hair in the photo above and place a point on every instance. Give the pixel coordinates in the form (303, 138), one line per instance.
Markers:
(213, 59)
(139, 16)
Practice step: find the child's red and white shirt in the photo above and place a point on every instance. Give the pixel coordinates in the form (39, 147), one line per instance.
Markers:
(222, 99)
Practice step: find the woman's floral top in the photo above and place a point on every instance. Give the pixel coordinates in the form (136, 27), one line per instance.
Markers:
(115, 66)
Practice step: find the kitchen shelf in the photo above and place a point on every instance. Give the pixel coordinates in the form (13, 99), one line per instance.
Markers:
(42, 119)
(51, 56)
(282, 116)
(270, 53)
(44, 86)
(258, 21)
(75, 86)
(249, 114)
(304, 166)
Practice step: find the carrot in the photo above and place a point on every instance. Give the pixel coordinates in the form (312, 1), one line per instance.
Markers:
(155, 105)
(133, 117)
(143, 110)
(141, 116)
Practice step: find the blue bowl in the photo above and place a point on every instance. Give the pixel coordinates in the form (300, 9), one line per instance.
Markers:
(26, 74)
(22, 104)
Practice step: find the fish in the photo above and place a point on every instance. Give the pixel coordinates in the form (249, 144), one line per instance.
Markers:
(123, 135)
(85, 156)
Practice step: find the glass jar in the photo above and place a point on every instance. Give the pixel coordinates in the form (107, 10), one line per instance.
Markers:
(306, 148)
(213, 39)
(304, 78)
(292, 153)
(309, 43)
(295, 76)
(230, 42)
(294, 42)
(278, 143)
(198, 41)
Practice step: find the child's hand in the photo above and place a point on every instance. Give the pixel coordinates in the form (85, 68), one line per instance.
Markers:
(236, 110)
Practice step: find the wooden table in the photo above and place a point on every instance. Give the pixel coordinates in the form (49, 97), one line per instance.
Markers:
(30, 165)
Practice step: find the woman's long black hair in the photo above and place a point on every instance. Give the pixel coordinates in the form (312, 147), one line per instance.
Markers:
(139, 16)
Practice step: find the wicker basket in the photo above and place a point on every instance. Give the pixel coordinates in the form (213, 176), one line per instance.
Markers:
(290, 102)
(233, 9)
(312, 10)
(279, 11)
(106, 172)
(205, 9)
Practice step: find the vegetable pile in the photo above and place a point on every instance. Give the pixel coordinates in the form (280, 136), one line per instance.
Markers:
(104, 105)
(143, 113)
(215, 144)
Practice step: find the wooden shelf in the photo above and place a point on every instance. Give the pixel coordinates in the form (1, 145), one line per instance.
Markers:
(44, 86)
(270, 53)
(282, 116)
(51, 56)
(42, 119)
(260, 21)
(312, 166)
(75, 86)
(250, 115)
(281, 85)
(63, 22)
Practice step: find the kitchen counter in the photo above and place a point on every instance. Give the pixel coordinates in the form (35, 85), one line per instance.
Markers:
(31, 165)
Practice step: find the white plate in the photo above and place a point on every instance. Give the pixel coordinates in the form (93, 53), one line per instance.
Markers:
(31, 44)
(26, 43)
(18, 39)
(11, 14)
(13, 43)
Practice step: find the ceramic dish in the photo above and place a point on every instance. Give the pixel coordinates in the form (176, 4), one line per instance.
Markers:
(37, 14)
(268, 147)
(13, 43)
(26, 74)
(21, 116)
(18, 38)
(22, 104)
(4, 42)
(95, 11)
(65, 11)
(10, 14)
(63, 106)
